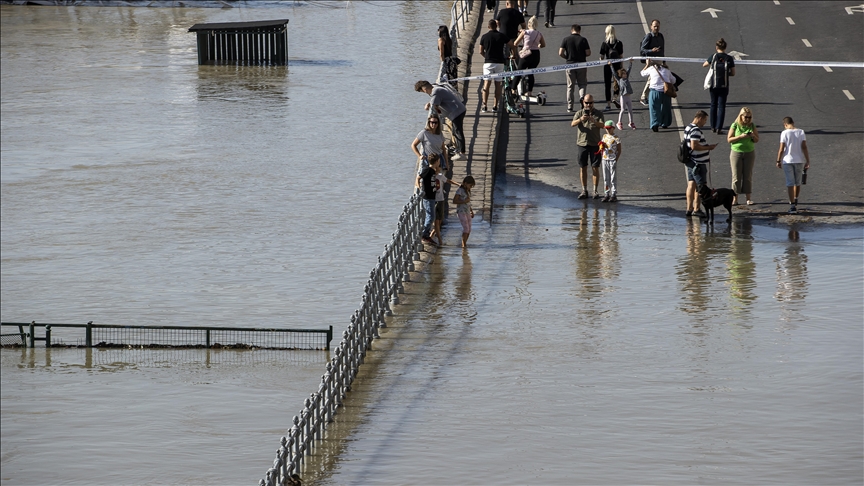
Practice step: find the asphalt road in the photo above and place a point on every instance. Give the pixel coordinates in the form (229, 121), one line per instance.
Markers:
(541, 147)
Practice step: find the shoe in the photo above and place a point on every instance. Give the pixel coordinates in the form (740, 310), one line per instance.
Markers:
(614, 198)
(457, 157)
(495, 109)
(608, 108)
(547, 25)
(484, 109)
(583, 195)
(644, 102)
(653, 129)
(664, 126)
(596, 195)
(749, 202)
(719, 131)
(429, 241)
(552, 24)
(605, 198)
(632, 125)
(689, 213)
(617, 105)
(569, 110)
(700, 213)
(620, 126)
(793, 209)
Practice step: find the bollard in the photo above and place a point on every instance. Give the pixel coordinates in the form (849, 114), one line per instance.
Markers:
(32, 334)
(47, 336)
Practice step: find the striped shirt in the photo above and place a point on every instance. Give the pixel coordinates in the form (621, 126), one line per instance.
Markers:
(693, 132)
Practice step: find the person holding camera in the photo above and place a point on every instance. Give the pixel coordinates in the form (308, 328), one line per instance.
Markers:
(588, 122)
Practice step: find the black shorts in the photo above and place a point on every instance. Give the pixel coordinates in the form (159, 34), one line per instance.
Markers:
(439, 210)
(588, 154)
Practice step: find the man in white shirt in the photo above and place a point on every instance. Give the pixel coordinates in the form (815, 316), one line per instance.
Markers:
(794, 158)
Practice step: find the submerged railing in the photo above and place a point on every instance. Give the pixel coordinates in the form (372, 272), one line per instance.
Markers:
(121, 336)
(380, 293)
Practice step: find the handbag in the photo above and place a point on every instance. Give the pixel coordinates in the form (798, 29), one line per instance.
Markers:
(525, 52)
(709, 79)
(668, 88)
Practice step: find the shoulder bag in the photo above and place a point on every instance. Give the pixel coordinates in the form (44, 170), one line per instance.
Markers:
(668, 88)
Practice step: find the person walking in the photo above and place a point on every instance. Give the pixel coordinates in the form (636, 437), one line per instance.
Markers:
(445, 52)
(659, 103)
(490, 5)
(612, 48)
(447, 103)
(492, 46)
(430, 141)
(653, 45)
(532, 41)
(588, 122)
(697, 166)
(794, 157)
(462, 200)
(742, 136)
(550, 13)
(722, 66)
(510, 20)
(611, 146)
(574, 48)
(622, 77)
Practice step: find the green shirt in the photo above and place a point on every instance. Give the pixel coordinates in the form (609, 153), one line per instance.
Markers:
(743, 145)
(586, 133)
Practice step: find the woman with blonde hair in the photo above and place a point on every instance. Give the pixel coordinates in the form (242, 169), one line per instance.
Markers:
(532, 40)
(612, 48)
(743, 135)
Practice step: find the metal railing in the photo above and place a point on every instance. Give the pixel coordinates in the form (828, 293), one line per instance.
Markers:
(381, 291)
(120, 336)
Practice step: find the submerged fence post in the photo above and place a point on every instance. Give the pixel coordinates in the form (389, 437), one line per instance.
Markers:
(88, 337)
(32, 334)
(47, 336)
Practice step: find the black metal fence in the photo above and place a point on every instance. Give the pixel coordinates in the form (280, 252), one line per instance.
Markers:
(118, 336)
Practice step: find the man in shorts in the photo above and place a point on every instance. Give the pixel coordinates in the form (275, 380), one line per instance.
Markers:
(510, 20)
(575, 48)
(794, 157)
(697, 166)
(492, 48)
(588, 122)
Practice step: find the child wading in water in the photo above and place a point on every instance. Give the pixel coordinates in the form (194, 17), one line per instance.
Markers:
(611, 147)
(462, 200)
(625, 90)
(438, 181)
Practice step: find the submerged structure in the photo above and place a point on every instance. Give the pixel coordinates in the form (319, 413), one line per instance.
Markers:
(259, 42)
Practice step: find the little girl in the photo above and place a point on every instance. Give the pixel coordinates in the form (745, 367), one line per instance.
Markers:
(625, 90)
(462, 200)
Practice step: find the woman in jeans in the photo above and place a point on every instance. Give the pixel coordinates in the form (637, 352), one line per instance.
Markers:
(743, 135)
(724, 66)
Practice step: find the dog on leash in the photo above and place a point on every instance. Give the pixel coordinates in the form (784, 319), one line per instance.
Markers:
(712, 198)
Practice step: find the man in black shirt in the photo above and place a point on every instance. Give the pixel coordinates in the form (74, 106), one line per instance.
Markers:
(575, 48)
(509, 21)
(492, 48)
(653, 45)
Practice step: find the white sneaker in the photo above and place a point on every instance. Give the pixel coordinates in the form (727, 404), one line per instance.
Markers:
(457, 157)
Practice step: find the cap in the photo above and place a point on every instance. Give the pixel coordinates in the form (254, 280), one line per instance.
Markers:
(609, 123)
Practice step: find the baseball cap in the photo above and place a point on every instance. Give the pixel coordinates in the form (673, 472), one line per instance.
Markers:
(609, 123)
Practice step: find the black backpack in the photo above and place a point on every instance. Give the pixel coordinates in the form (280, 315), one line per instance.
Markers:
(684, 149)
(721, 71)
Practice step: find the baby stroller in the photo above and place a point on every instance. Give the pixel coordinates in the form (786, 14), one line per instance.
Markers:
(512, 101)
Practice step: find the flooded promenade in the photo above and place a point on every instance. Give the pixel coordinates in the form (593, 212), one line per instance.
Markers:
(572, 342)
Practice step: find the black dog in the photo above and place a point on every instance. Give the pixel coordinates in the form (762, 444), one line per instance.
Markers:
(717, 197)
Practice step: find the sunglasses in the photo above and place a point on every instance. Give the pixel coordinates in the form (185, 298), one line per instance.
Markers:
(747, 117)
(589, 102)
(433, 122)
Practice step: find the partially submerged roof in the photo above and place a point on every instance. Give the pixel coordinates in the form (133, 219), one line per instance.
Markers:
(241, 26)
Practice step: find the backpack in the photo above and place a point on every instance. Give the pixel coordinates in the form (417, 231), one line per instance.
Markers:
(684, 149)
(720, 79)
(449, 87)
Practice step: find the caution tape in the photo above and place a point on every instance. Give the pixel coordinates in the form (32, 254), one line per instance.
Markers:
(591, 64)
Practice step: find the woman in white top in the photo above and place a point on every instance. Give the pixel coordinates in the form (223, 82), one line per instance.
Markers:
(532, 40)
(659, 104)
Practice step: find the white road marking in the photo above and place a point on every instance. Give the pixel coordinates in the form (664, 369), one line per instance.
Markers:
(776, 2)
(712, 11)
(855, 8)
(676, 109)
(806, 43)
(737, 55)
(789, 19)
(848, 95)
(828, 69)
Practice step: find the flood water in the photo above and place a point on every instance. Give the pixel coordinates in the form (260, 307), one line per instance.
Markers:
(569, 344)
